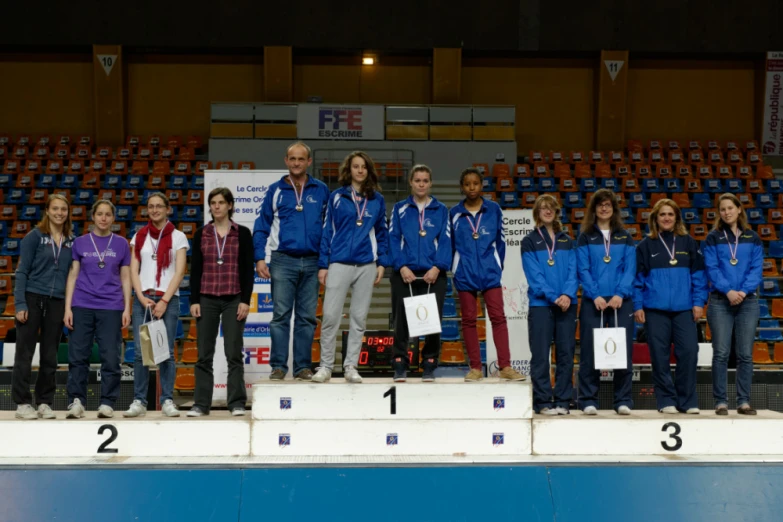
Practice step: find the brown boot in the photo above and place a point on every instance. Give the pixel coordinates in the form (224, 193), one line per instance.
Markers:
(510, 374)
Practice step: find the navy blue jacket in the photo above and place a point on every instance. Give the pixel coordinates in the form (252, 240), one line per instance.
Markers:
(410, 249)
(662, 286)
(746, 275)
(478, 263)
(601, 279)
(343, 241)
(547, 283)
(279, 227)
(36, 271)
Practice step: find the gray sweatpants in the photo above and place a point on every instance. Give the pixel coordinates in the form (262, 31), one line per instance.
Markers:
(341, 278)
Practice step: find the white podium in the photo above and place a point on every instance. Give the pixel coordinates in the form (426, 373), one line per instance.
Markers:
(378, 417)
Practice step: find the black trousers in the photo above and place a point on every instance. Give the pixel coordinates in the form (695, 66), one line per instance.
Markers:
(213, 308)
(44, 326)
(401, 337)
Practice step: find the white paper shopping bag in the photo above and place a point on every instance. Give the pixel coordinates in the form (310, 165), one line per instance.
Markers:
(421, 312)
(154, 341)
(610, 351)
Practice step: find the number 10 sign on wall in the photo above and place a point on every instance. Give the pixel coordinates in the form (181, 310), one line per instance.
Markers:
(249, 188)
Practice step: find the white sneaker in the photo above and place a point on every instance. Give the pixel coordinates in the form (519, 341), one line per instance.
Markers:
(548, 411)
(105, 411)
(693, 411)
(590, 410)
(238, 412)
(170, 409)
(623, 410)
(669, 409)
(195, 411)
(322, 375)
(45, 412)
(562, 411)
(26, 412)
(75, 410)
(351, 375)
(136, 409)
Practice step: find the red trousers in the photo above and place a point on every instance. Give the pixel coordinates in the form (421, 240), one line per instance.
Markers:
(497, 316)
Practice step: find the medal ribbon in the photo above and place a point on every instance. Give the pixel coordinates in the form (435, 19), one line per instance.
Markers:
(673, 251)
(736, 244)
(101, 256)
(56, 251)
(299, 195)
(549, 251)
(475, 229)
(220, 248)
(355, 196)
(421, 216)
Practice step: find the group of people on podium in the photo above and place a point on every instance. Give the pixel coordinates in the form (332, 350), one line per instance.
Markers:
(305, 236)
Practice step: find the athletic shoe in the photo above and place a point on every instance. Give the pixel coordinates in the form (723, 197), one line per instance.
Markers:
(428, 374)
(239, 411)
(26, 412)
(562, 411)
(105, 411)
(669, 409)
(45, 412)
(590, 410)
(510, 374)
(170, 409)
(322, 375)
(304, 375)
(352, 375)
(692, 411)
(400, 370)
(195, 411)
(548, 411)
(136, 409)
(277, 375)
(474, 375)
(624, 410)
(75, 410)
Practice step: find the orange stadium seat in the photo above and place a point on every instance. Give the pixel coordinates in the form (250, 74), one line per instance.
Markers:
(6, 265)
(643, 215)
(767, 233)
(577, 215)
(562, 170)
(133, 141)
(777, 355)
(201, 166)
(142, 214)
(705, 172)
(556, 156)
(655, 197)
(224, 165)
(189, 351)
(174, 142)
(195, 142)
(129, 197)
(166, 154)
(161, 168)
(146, 153)
(764, 172)
(79, 213)
(246, 165)
(602, 170)
(10, 308)
(189, 229)
(634, 146)
(119, 167)
(620, 170)
(536, 156)
(775, 215)
(182, 168)
(11, 167)
(156, 182)
(616, 156)
(695, 157)
(140, 167)
(19, 229)
(770, 267)
(725, 171)
(699, 232)
(174, 196)
(186, 154)
(505, 184)
(452, 352)
(663, 170)
(684, 171)
(582, 170)
(6, 285)
(56, 167)
(761, 353)
(528, 199)
(8, 213)
(642, 171)
(38, 197)
(107, 194)
(522, 170)
(25, 180)
(185, 379)
(636, 156)
(482, 167)
(692, 185)
(541, 170)
(576, 156)
(734, 157)
(500, 170)
(597, 156)
(675, 157)
(154, 141)
(124, 154)
(195, 197)
(97, 166)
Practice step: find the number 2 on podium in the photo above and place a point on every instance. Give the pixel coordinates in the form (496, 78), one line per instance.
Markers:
(392, 392)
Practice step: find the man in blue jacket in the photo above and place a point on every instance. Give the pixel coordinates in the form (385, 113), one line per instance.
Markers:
(286, 241)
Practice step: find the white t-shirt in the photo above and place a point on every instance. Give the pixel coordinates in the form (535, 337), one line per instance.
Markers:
(606, 233)
(149, 267)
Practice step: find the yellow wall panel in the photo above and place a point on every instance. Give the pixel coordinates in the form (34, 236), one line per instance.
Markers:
(172, 98)
(690, 100)
(46, 97)
(555, 100)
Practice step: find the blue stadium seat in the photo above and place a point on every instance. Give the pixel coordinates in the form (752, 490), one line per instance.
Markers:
(564, 216)
(449, 307)
(507, 200)
(774, 186)
(770, 288)
(449, 287)
(112, 181)
(483, 350)
(488, 185)
(135, 227)
(180, 330)
(130, 352)
(84, 197)
(16, 196)
(573, 200)
(627, 215)
(177, 183)
(713, 185)
(734, 185)
(174, 214)
(77, 228)
(10, 246)
(547, 185)
(184, 305)
(191, 214)
(765, 201)
(588, 185)
(651, 185)
(764, 309)
(46, 181)
(5, 180)
(3, 229)
(184, 286)
(610, 183)
(769, 335)
(775, 249)
(68, 181)
(526, 185)
(638, 200)
(691, 216)
(702, 200)
(756, 216)
(134, 181)
(672, 185)
(450, 330)
(30, 213)
(196, 183)
(124, 213)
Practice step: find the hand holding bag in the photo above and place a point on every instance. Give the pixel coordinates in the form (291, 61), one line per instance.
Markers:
(154, 340)
(609, 347)
(421, 312)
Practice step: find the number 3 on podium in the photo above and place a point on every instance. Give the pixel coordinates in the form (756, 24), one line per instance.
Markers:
(673, 435)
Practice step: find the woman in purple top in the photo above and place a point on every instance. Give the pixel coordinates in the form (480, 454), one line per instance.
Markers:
(97, 306)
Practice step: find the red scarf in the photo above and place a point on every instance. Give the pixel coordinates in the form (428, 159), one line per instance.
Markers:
(164, 245)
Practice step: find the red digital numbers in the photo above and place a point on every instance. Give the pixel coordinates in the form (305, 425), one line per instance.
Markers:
(363, 357)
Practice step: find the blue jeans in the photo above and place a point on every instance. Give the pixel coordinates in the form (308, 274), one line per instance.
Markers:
(104, 327)
(740, 321)
(294, 289)
(168, 368)
(545, 324)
